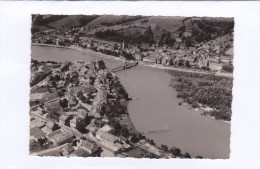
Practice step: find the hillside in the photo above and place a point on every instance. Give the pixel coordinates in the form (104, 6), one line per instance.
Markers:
(143, 29)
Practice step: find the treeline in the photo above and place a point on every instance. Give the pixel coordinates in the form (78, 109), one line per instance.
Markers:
(206, 29)
(208, 90)
(138, 38)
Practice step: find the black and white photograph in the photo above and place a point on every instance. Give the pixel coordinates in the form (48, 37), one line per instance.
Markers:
(131, 86)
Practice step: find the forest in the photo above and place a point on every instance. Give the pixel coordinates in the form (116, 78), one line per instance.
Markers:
(204, 90)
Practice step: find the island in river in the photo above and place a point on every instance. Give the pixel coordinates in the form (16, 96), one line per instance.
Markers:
(157, 107)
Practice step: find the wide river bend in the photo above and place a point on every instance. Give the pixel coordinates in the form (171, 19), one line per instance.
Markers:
(157, 107)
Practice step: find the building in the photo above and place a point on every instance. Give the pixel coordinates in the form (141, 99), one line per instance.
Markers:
(108, 141)
(60, 136)
(50, 105)
(91, 127)
(167, 60)
(80, 153)
(84, 89)
(63, 119)
(67, 150)
(158, 59)
(215, 66)
(74, 122)
(37, 123)
(51, 126)
(149, 60)
(88, 146)
(106, 137)
(107, 128)
(36, 134)
(71, 100)
(138, 56)
(151, 149)
(55, 153)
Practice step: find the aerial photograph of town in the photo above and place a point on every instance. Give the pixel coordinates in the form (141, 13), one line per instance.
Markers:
(131, 86)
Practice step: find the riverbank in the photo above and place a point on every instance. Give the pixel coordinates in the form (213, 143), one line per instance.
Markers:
(140, 62)
(204, 108)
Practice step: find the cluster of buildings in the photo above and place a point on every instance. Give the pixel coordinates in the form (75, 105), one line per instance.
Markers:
(66, 111)
(208, 56)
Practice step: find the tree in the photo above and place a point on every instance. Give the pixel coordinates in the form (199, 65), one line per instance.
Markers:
(64, 103)
(176, 151)
(164, 147)
(227, 68)
(81, 126)
(187, 155)
(152, 142)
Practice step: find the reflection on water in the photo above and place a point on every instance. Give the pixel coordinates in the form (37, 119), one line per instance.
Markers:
(157, 107)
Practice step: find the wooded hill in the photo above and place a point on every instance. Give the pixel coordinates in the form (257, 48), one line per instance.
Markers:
(142, 29)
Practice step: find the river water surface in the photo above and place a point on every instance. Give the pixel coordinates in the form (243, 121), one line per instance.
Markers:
(157, 107)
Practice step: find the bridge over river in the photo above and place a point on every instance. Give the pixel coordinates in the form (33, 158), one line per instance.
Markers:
(126, 65)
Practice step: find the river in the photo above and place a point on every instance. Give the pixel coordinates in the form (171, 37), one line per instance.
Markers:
(157, 107)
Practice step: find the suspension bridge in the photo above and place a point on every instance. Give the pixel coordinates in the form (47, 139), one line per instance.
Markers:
(126, 65)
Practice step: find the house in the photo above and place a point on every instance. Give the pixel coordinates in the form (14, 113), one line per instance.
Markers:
(50, 105)
(67, 150)
(215, 66)
(149, 60)
(91, 127)
(60, 136)
(37, 123)
(36, 134)
(167, 60)
(51, 126)
(203, 63)
(88, 146)
(107, 128)
(158, 59)
(106, 137)
(151, 149)
(72, 101)
(55, 153)
(108, 141)
(102, 96)
(138, 56)
(63, 119)
(80, 153)
(74, 122)
(84, 89)
(92, 65)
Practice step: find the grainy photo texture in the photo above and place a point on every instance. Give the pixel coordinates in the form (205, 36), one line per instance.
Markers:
(131, 86)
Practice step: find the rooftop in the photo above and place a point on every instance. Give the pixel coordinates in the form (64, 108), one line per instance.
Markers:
(107, 136)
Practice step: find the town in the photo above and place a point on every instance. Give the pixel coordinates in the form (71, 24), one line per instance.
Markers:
(206, 57)
(80, 109)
